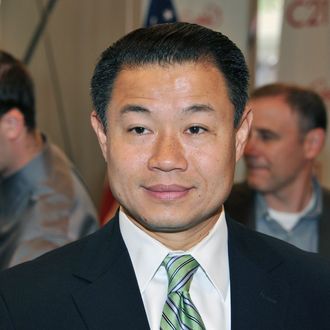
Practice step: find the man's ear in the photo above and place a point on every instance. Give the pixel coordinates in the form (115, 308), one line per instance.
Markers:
(313, 142)
(13, 124)
(242, 131)
(100, 133)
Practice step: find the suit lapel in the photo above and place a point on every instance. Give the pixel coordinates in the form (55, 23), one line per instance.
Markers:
(259, 289)
(109, 297)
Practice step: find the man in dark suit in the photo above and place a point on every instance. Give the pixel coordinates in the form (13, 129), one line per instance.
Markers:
(282, 196)
(171, 120)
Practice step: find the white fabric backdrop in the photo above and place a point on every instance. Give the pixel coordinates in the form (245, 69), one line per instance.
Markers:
(305, 56)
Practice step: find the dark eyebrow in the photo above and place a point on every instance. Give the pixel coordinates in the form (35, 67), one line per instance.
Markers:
(133, 108)
(191, 109)
(198, 108)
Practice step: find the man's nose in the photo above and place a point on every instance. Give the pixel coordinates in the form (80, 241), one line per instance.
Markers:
(168, 154)
(252, 146)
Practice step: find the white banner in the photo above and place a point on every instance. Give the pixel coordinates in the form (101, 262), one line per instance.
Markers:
(305, 55)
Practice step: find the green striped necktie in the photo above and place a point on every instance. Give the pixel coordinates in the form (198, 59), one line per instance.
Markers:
(179, 312)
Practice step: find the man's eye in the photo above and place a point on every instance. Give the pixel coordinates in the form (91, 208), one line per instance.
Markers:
(196, 130)
(267, 136)
(138, 130)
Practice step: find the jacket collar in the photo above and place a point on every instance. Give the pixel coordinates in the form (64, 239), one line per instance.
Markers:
(109, 297)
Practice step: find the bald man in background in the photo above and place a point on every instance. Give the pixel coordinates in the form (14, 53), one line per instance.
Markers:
(43, 202)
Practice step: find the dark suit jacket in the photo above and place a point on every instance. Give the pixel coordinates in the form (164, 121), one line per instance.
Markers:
(90, 284)
(241, 205)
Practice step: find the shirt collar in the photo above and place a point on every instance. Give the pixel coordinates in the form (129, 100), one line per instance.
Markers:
(262, 209)
(147, 254)
(23, 182)
(30, 174)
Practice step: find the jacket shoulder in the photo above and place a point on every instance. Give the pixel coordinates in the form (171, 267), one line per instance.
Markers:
(266, 250)
(62, 261)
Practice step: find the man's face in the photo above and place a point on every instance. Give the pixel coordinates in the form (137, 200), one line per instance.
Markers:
(274, 154)
(171, 146)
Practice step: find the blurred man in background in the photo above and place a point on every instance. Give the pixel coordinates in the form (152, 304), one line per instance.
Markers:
(43, 203)
(282, 196)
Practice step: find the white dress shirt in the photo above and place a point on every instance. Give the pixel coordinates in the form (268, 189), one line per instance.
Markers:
(210, 286)
(288, 220)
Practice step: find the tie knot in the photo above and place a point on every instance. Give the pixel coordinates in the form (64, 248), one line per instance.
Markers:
(180, 270)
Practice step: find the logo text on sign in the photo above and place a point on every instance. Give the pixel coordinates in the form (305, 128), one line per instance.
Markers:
(307, 13)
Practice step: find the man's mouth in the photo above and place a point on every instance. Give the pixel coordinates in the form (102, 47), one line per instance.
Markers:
(253, 164)
(167, 192)
(256, 167)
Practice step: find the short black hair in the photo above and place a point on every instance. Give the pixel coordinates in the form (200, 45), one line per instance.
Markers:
(16, 89)
(171, 43)
(304, 101)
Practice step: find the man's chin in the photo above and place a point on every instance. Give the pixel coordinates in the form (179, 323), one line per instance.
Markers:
(257, 185)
